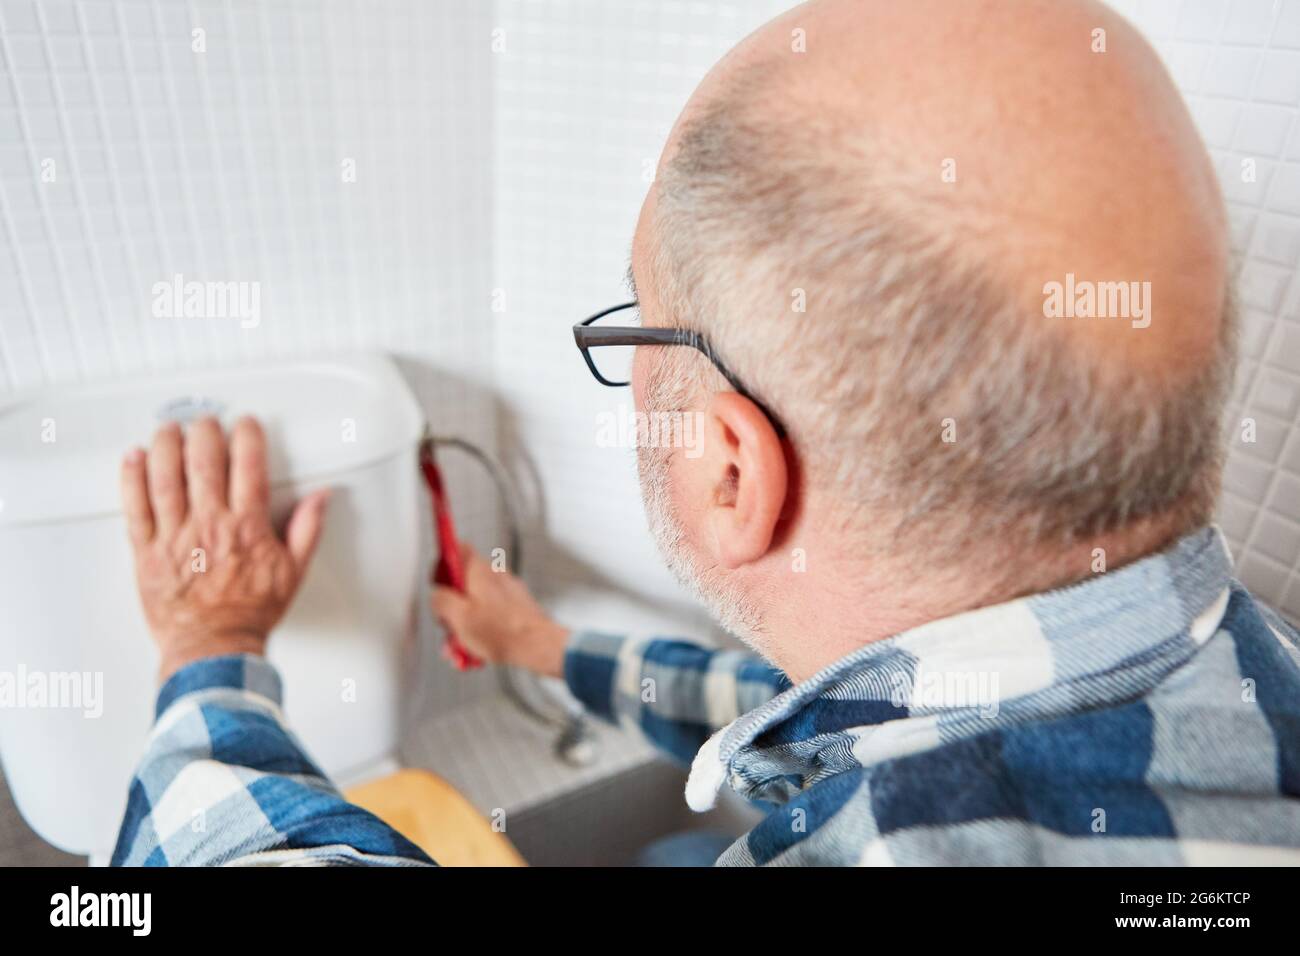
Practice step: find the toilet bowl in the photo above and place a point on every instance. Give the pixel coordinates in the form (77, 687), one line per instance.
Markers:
(75, 655)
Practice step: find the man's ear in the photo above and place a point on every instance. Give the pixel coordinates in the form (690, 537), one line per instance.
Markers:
(747, 469)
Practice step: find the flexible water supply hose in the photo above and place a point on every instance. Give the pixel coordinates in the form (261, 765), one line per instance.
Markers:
(574, 743)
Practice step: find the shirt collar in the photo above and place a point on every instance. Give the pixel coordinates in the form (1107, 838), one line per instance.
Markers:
(1099, 642)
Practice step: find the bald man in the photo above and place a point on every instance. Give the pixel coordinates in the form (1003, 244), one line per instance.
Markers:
(965, 526)
(948, 287)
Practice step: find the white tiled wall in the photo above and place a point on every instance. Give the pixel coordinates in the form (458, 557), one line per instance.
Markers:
(1238, 64)
(228, 164)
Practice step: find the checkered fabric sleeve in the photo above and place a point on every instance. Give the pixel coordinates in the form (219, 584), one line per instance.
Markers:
(675, 692)
(224, 782)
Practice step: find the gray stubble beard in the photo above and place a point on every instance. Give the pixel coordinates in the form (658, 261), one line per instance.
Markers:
(728, 605)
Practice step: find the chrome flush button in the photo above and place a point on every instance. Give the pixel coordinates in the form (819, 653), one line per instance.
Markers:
(189, 408)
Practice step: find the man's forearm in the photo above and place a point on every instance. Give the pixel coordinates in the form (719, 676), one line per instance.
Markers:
(223, 781)
(673, 691)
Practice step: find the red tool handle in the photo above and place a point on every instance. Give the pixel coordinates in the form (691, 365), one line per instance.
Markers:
(448, 571)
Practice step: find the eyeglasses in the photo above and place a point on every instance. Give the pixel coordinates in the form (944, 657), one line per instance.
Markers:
(609, 349)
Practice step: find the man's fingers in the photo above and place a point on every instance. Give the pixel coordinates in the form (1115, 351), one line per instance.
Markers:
(475, 564)
(135, 498)
(305, 526)
(205, 466)
(449, 606)
(452, 610)
(250, 489)
(166, 479)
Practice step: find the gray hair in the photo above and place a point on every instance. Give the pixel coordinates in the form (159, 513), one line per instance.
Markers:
(907, 326)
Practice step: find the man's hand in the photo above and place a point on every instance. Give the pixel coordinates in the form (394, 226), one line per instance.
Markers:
(498, 620)
(213, 576)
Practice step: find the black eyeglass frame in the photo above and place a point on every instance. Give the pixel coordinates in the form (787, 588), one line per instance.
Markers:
(589, 336)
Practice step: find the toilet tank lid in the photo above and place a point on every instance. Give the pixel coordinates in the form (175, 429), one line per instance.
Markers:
(60, 449)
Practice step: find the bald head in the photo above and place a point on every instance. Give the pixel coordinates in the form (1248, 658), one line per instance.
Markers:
(1046, 128)
(972, 254)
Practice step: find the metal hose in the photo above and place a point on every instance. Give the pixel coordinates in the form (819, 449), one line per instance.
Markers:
(574, 742)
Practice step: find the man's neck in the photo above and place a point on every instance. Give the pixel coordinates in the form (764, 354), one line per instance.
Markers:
(812, 629)
(815, 618)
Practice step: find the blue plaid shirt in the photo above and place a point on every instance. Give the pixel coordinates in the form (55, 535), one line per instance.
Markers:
(1149, 715)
